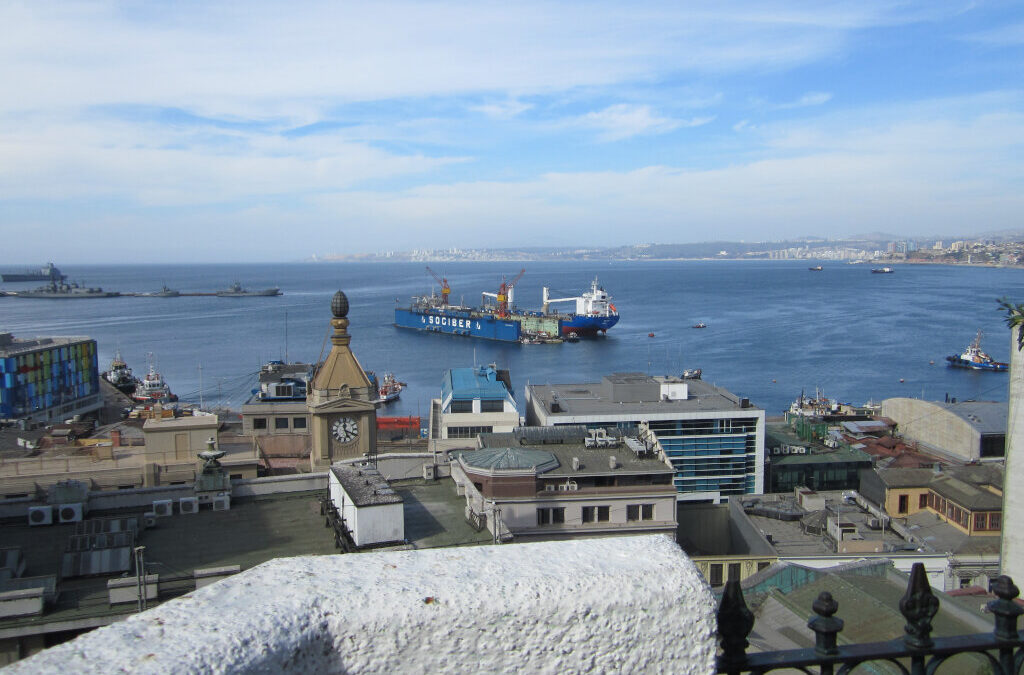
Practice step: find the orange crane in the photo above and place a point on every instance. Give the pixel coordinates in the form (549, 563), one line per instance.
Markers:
(504, 296)
(445, 289)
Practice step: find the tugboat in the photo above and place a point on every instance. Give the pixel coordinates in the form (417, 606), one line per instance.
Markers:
(120, 375)
(882, 270)
(973, 358)
(389, 389)
(235, 290)
(816, 268)
(153, 389)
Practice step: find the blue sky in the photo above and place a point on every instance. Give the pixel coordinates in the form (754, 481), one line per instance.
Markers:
(258, 131)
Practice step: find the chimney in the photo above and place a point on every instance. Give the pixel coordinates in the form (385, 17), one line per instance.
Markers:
(115, 438)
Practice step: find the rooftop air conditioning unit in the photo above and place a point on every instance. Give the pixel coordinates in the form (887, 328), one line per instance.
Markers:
(163, 508)
(188, 505)
(70, 513)
(148, 519)
(222, 503)
(40, 515)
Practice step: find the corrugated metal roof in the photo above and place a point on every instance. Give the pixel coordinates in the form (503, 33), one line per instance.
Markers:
(988, 417)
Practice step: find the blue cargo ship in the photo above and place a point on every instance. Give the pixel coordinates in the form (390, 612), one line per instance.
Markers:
(501, 321)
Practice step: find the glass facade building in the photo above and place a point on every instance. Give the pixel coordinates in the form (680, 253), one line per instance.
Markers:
(46, 379)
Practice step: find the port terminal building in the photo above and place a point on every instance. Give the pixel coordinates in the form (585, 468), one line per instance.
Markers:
(47, 379)
(713, 439)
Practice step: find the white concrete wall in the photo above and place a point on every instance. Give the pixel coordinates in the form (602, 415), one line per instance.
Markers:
(616, 605)
(1013, 483)
(376, 524)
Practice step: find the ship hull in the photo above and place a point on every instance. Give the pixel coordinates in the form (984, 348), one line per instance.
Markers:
(958, 362)
(587, 325)
(459, 322)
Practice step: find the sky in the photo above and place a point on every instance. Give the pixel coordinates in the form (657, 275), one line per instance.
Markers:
(265, 131)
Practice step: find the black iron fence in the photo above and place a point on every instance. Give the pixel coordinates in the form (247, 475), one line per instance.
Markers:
(916, 653)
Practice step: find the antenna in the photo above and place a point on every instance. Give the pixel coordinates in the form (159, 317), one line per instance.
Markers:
(200, 386)
(286, 336)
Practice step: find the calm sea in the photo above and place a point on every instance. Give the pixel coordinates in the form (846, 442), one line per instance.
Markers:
(774, 328)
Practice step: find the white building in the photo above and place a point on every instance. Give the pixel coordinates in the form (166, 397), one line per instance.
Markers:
(372, 511)
(473, 401)
(713, 439)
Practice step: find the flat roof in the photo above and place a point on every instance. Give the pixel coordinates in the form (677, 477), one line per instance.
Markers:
(19, 346)
(593, 461)
(252, 531)
(365, 485)
(592, 398)
(184, 422)
(826, 456)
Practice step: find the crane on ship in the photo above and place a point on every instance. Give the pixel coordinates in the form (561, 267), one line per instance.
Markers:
(445, 288)
(503, 297)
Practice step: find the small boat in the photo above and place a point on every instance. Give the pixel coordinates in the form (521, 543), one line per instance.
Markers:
(152, 388)
(389, 389)
(692, 374)
(816, 268)
(235, 290)
(650, 335)
(973, 358)
(882, 270)
(120, 375)
(700, 324)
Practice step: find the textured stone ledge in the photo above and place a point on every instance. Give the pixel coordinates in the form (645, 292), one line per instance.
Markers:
(620, 604)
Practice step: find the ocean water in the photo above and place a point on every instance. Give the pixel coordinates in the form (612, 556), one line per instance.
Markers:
(774, 328)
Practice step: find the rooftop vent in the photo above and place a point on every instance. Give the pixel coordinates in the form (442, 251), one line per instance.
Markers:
(575, 463)
(613, 463)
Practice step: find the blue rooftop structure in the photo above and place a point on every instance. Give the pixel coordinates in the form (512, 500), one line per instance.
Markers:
(485, 383)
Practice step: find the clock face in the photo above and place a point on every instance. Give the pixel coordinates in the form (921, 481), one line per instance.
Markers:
(345, 429)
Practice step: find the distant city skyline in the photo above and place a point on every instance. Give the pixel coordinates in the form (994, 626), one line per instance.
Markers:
(249, 132)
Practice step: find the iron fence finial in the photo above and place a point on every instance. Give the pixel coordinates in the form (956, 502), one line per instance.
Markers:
(918, 605)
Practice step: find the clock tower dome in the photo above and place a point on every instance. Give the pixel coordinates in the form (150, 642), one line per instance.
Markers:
(343, 417)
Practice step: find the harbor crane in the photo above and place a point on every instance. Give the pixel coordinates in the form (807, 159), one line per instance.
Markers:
(505, 293)
(445, 288)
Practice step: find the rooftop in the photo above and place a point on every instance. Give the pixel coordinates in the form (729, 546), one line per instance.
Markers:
(12, 346)
(364, 485)
(988, 417)
(593, 461)
(635, 393)
(484, 383)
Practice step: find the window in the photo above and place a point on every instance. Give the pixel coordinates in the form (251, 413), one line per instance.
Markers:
(492, 406)
(298, 423)
(995, 521)
(980, 521)
(236, 476)
(734, 571)
(716, 574)
(280, 422)
(461, 407)
(639, 512)
(283, 390)
(468, 432)
(595, 514)
(259, 423)
(551, 516)
(763, 566)
(922, 501)
(904, 500)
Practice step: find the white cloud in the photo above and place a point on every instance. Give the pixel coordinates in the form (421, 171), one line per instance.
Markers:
(257, 59)
(623, 120)
(503, 110)
(1004, 36)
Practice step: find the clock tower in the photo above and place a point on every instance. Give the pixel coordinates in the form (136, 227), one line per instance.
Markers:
(343, 417)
